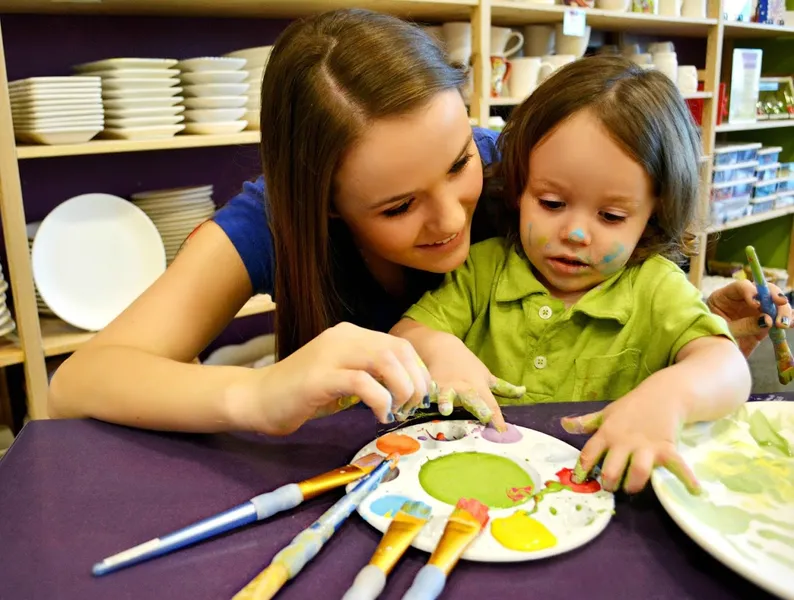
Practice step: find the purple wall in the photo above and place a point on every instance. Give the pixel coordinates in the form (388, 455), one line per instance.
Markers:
(39, 45)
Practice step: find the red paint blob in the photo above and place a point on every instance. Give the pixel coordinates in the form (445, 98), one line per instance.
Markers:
(517, 494)
(394, 442)
(588, 487)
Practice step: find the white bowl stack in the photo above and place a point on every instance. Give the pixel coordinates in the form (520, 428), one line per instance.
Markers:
(256, 60)
(176, 212)
(40, 304)
(141, 97)
(56, 110)
(7, 324)
(214, 95)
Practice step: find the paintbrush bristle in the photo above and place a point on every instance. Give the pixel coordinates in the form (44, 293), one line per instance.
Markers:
(475, 508)
(417, 509)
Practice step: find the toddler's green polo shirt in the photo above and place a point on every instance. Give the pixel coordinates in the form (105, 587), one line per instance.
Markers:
(602, 347)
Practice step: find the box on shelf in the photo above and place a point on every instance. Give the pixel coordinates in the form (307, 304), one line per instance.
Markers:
(731, 209)
(732, 189)
(761, 205)
(785, 185)
(784, 199)
(767, 172)
(726, 173)
(764, 189)
(786, 169)
(775, 98)
(732, 154)
(769, 154)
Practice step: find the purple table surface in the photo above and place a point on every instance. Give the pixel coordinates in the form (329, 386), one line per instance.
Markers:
(74, 492)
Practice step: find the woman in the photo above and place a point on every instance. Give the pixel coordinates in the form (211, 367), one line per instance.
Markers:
(373, 177)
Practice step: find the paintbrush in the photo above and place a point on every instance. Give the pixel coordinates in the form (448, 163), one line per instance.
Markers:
(308, 543)
(465, 523)
(783, 357)
(256, 509)
(405, 526)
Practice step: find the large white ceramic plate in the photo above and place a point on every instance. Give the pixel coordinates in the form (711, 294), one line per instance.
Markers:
(93, 255)
(573, 518)
(745, 516)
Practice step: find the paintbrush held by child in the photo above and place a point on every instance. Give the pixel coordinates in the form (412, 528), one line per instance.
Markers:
(582, 300)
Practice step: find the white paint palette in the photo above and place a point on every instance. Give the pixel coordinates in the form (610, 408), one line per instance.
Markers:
(454, 459)
(745, 515)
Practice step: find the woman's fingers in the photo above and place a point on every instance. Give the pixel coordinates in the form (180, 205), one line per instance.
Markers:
(782, 305)
(360, 384)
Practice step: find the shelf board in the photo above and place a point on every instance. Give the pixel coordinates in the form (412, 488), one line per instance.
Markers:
(415, 9)
(735, 29)
(116, 146)
(516, 101)
(757, 125)
(764, 216)
(59, 338)
(520, 12)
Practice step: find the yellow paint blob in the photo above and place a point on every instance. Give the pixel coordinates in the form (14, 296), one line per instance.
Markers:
(521, 532)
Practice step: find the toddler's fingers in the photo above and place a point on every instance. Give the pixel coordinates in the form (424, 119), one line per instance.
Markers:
(673, 462)
(592, 452)
(446, 401)
(588, 423)
(640, 467)
(483, 407)
(505, 389)
(614, 466)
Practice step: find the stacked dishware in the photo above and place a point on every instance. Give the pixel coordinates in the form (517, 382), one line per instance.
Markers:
(141, 97)
(256, 61)
(176, 212)
(40, 304)
(56, 110)
(215, 94)
(7, 324)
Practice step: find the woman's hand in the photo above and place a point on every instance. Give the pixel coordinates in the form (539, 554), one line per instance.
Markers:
(737, 304)
(343, 365)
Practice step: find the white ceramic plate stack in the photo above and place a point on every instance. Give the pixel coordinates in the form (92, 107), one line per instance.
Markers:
(256, 61)
(176, 212)
(215, 97)
(40, 304)
(7, 324)
(56, 110)
(141, 97)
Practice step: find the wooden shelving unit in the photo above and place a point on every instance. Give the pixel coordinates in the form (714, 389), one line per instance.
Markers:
(752, 219)
(756, 126)
(39, 338)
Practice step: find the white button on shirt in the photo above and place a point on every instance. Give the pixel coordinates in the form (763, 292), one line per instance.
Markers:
(545, 312)
(540, 362)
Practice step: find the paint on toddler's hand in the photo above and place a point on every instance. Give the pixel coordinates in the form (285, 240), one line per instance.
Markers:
(446, 401)
(505, 389)
(472, 402)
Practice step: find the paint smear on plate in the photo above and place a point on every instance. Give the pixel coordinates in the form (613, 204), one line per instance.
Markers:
(395, 442)
(521, 532)
(486, 477)
(766, 475)
(588, 487)
(388, 506)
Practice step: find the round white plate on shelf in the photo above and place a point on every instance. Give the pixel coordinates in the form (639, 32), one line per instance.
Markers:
(54, 104)
(140, 103)
(150, 111)
(211, 63)
(215, 89)
(145, 93)
(74, 96)
(745, 515)
(126, 63)
(139, 84)
(55, 137)
(213, 115)
(54, 122)
(55, 82)
(254, 57)
(168, 213)
(138, 74)
(143, 133)
(143, 122)
(216, 102)
(93, 255)
(213, 77)
(171, 192)
(519, 475)
(215, 128)
(77, 110)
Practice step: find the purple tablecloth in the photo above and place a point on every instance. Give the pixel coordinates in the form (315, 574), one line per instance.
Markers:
(73, 492)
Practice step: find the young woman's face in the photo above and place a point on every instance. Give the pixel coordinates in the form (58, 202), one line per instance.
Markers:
(408, 188)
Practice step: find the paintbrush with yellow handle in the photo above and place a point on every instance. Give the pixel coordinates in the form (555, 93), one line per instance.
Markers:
(405, 526)
(464, 525)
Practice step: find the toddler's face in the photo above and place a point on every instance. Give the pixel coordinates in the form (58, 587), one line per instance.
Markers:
(584, 209)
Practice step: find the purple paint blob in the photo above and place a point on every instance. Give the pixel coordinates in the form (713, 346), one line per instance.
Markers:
(511, 436)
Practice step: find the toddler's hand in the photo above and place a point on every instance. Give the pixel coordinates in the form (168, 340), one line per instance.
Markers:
(633, 434)
(465, 395)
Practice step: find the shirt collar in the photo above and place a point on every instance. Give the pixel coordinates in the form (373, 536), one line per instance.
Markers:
(612, 299)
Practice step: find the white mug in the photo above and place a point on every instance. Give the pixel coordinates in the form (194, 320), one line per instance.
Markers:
(659, 47)
(641, 59)
(553, 62)
(694, 9)
(457, 38)
(538, 40)
(525, 75)
(687, 80)
(571, 44)
(500, 40)
(667, 63)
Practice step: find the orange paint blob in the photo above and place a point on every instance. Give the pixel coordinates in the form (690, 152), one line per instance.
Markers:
(394, 442)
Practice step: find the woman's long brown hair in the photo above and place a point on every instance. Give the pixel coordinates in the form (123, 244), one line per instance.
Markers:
(327, 78)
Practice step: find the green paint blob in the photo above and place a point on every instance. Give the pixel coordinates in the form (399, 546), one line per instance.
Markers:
(768, 534)
(578, 507)
(553, 510)
(765, 435)
(485, 477)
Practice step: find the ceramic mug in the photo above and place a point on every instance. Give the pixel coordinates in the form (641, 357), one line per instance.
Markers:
(500, 41)
(667, 63)
(538, 40)
(457, 38)
(687, 80)
(571, 44)
(553, 62)
(525, 75)
(500, 72)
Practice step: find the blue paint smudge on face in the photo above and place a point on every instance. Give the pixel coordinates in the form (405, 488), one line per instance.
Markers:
(388, 506)
(608, 258)
(577, 235)
(613, 261)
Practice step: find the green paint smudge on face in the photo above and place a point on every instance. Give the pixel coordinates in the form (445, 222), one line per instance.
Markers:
(765, 435)
(486, 477)
(768, 534)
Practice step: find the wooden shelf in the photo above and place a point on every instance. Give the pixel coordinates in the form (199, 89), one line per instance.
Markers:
(735, 29)
(757, 125)
(520, 12)
(115, 146)
(416, 9)
(764, 216)
(516, 101)
(59, 338)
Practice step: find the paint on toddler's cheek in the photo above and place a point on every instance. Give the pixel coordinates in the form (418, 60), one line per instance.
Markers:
(613, 260)
(577, 235)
